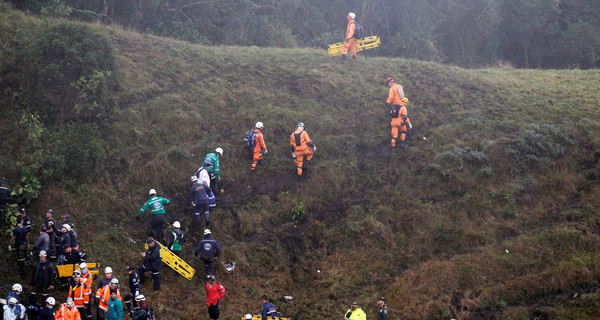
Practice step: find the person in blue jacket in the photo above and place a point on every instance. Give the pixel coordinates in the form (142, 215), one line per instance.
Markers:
(200, 194)
(209, 249)
(268, 309)
(153, 263)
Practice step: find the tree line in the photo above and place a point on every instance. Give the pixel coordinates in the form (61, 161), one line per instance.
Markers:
(474, 33)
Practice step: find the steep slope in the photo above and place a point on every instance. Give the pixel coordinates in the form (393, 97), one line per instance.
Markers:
(490, 212)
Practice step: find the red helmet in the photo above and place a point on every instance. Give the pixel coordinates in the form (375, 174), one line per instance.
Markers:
(388, 81)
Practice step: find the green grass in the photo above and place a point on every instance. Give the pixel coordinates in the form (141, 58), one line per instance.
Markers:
(508, 164)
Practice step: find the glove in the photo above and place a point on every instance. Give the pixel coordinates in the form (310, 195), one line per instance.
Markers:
(266, 151)
(315, 148)
(293, 155)
(409, 126)
(9, 248)
(219, 178)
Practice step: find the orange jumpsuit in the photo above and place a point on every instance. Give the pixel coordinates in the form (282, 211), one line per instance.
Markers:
(80, 293)
(103, 295)
(66, 313)
(302, 146)
(350, 40)
(260, 146)
(395, 97)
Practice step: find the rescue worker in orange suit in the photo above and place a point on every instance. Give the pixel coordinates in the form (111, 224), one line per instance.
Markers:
(350, 41)
(103, 296)
(260, 147)
(302, 148)
(79, 291)
(398, 101)
(67, 311)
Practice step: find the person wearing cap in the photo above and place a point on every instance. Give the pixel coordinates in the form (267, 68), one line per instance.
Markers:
(200, 194)
(115, 307)
(141, 310)
(19, 240)
(350, 40)
(47, 312)
(398, 101)
(209, 250)
(103, 297)
(42, 278)
(268, 308)
(159, 216)
(355, 312)
(86, 276)
(67, 311)
(79, 291)
(260, 147)
(52, 230)
(382, 309)
(152, 263)
(67, 220)
(26, 220)
(134, 288)
(214, 171)
(214, 293)
(13, 310)
(175, 241)
(42, 243)
(64, 245)
(302, 148)
(4, 198)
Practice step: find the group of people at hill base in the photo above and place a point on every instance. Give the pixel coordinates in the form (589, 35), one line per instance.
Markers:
(355, 312)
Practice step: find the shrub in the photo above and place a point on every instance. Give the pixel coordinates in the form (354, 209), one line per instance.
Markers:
(68, 73)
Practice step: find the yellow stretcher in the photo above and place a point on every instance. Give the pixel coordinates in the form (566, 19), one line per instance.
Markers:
(67, 269)
(365, 43)
(259, 317)
(175, 262)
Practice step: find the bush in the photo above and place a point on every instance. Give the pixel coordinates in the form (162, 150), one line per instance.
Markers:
(68, 73)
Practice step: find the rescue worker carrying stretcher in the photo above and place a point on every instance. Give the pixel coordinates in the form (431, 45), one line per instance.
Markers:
(398, 112)
(350, 41)
(302, 148)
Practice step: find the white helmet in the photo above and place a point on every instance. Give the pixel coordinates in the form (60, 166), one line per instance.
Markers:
(114, 281)
(194, 178)
(259, 125)
(43, 253)
(248, 317)
(83, 267)
(17, 287)
(352, 15)
(206, 231)
(70, 302)
(51, 301)
(66, 226)
(108, 270)
(12, 301)
(140, 297)
(152, 191)
(176, 224)
(301, 125)
(219, 151)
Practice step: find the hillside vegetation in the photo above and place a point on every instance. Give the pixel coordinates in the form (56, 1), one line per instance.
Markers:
(490, 212)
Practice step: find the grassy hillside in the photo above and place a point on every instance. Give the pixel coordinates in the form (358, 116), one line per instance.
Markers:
(490, 212)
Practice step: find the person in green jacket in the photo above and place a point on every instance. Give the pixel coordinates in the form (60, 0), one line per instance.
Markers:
(141, 311)
(175, 241)
(213, 171)
(115, 307)
(159, 216)
(355, 312)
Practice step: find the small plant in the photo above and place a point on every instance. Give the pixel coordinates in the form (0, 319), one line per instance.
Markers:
(298, 211)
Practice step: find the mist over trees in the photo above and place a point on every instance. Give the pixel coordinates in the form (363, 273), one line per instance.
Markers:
(475, 33)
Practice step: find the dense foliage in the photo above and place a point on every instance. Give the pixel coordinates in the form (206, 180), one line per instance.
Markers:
(523, 33)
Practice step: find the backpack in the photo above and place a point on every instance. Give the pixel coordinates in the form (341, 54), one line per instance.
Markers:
(395, 110)
(150, 314)
(358, 30)
(250, 140)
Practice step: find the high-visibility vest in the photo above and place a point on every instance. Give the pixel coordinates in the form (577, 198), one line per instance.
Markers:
(88, 280)
(66, 313)
(78, 293)
(103, 295)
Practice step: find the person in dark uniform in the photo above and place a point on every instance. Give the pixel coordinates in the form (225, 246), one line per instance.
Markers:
(382, 310)
(19, 240)
(64, 245)
(134, 288)
(52, 230)
(26, 220)
(4, 197)
(153, 263)
(46, 313)
(199, 194)
(209, 250)
(42, 278)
